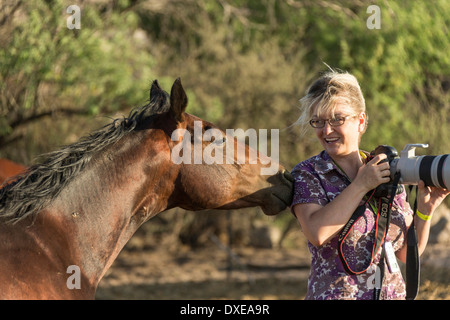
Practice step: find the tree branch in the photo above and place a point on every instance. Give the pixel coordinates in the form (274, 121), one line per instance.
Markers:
(36, 116)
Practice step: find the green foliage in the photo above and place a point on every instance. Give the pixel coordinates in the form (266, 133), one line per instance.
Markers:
(46, 67)
(403, 67)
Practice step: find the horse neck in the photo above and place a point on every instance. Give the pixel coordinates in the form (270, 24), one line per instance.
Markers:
(101, 209)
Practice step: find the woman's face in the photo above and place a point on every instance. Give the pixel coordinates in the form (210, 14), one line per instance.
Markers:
(341, 140)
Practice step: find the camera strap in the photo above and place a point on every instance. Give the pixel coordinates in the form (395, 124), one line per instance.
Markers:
(383, 216)
(412, 260)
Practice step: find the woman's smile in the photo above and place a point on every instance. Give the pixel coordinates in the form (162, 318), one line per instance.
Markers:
(331, 140)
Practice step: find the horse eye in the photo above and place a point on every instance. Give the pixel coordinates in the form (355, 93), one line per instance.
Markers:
(220, 141)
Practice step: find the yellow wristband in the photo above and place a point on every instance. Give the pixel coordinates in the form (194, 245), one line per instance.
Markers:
(422, 216)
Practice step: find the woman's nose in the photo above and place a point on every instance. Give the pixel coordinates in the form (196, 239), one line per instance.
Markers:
(327, 128)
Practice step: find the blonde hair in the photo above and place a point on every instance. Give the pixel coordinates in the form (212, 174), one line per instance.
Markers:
(324, 94)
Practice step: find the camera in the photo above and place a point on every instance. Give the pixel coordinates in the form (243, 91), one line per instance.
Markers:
(433, 170)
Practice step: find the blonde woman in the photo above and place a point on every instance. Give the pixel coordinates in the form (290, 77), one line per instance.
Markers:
(330, 186)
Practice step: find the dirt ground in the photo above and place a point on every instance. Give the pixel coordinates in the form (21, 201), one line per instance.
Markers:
(184, 273)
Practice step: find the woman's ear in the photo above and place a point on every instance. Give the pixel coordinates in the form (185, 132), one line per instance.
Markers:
(362, 122)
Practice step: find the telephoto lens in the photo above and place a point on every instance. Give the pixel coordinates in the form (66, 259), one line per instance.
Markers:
(433, 170)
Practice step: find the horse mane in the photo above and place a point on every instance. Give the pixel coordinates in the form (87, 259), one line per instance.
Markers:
(42, 182)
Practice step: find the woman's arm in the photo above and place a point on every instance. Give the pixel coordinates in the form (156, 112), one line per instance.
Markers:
(321, 223)
(428, 199)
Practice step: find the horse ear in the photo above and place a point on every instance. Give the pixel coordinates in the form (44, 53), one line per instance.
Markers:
(158, 99)
(178, 101)
(155, 90)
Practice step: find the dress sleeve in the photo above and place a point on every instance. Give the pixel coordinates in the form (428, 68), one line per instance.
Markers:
(307, 187)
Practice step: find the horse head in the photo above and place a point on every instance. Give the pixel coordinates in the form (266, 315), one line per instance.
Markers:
(210, 167)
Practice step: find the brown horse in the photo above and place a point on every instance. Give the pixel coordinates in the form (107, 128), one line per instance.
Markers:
(65, 221)
(9, 169)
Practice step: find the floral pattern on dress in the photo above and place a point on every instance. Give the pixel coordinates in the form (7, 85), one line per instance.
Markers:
(318, 180)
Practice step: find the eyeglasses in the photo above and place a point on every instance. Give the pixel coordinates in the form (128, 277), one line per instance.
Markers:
(334, 122)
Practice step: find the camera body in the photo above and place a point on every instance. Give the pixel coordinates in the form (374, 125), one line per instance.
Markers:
(433, 170)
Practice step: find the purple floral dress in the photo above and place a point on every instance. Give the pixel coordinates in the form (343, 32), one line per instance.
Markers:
(319, 180)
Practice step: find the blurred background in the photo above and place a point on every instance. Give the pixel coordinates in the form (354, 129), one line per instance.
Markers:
(244, 64)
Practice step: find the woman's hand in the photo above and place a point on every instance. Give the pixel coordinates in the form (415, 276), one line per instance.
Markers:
(373, 173)
(429, 198)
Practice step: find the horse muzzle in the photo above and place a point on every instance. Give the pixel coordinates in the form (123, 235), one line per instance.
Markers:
(281, 193)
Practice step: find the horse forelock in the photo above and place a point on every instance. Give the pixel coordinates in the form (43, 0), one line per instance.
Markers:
(43, 182)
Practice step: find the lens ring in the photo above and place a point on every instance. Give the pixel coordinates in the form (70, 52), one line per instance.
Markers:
(425, 173)
(440, 170)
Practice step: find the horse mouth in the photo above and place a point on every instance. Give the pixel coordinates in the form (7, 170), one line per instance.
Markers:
(278, 203)
(280, 195)
(272, 200)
